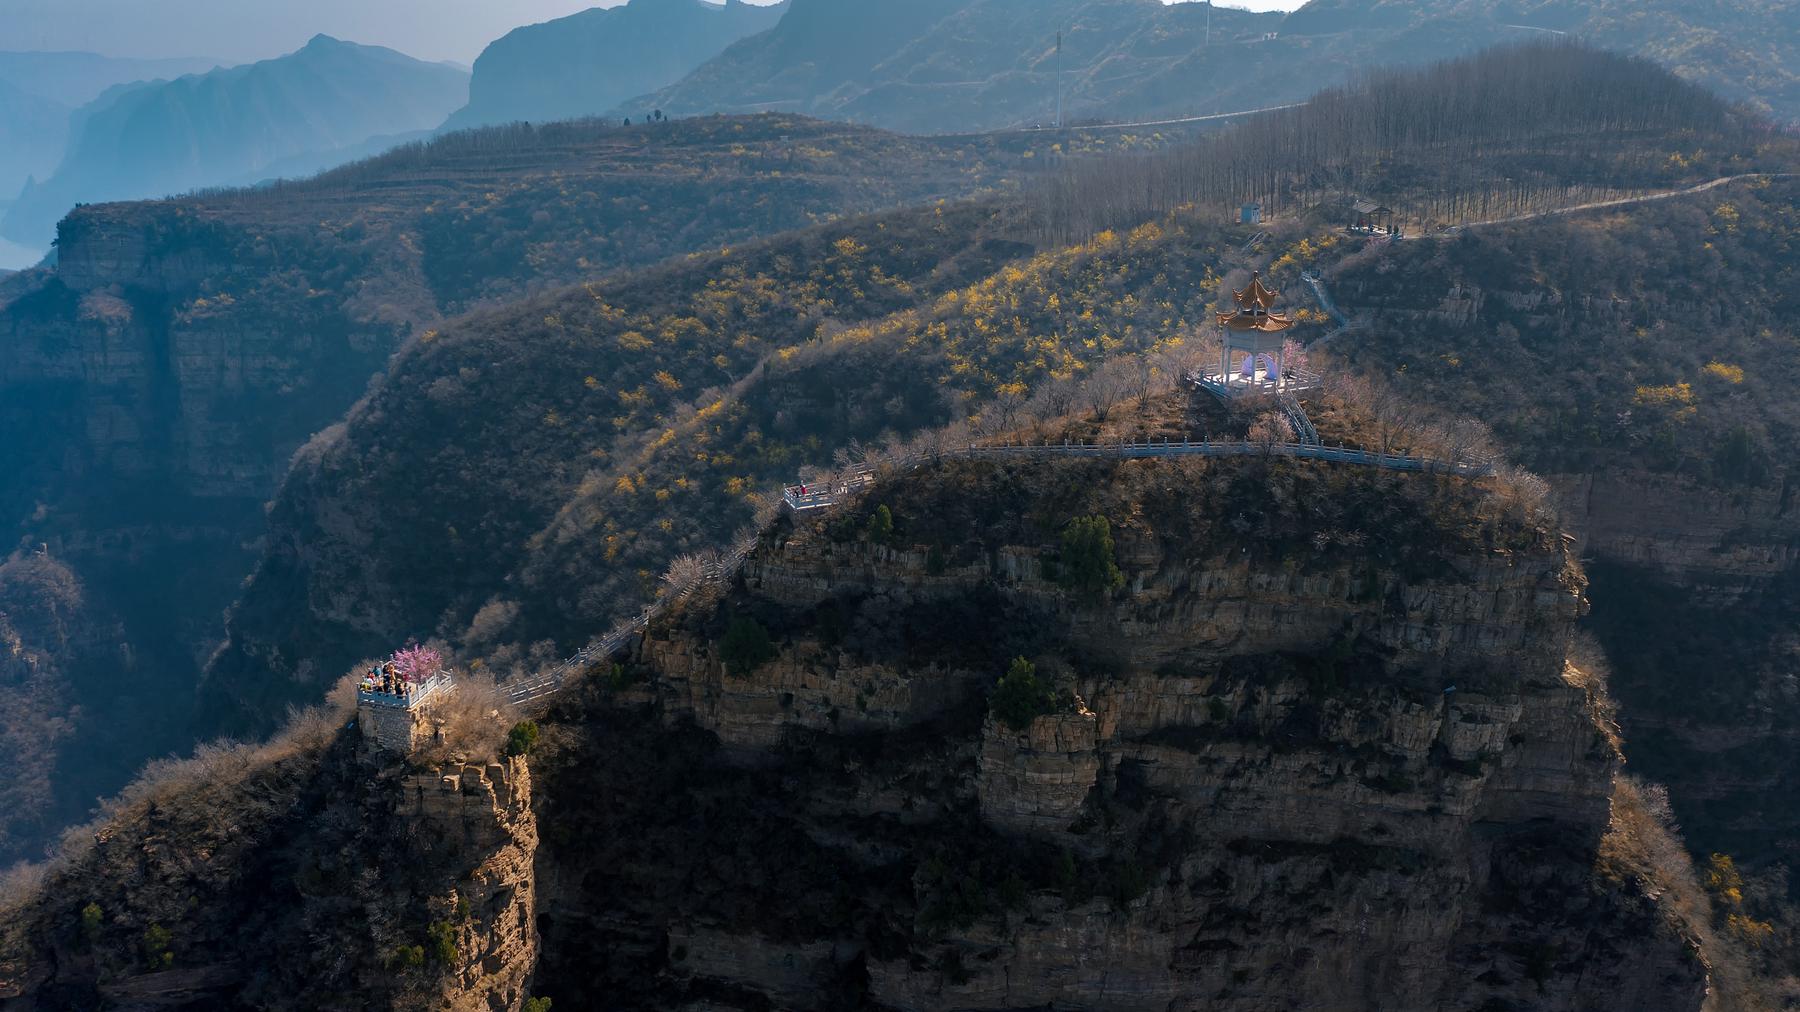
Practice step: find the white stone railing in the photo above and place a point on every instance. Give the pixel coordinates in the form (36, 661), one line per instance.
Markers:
(412, 697)
(523, 692)
(1236, 384)
(806, 497)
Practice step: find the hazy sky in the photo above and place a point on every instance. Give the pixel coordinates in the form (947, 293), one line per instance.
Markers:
(236, 31)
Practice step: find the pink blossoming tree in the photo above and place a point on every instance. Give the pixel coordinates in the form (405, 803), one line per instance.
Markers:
(417, 663)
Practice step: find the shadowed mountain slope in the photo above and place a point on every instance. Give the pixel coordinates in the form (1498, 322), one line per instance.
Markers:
(587, 63)
(646, 416)
(156, 383)
(951, 65)
(229, 126)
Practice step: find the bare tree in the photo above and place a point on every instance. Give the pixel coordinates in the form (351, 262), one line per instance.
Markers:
(1104, 388)
(1055, 398)
(1007, 402)
(1271, 429)
(684, 574)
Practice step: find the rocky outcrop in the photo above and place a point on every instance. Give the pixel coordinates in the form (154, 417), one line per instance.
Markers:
(1333, 784)
(486, 810)
(118, 248)
(410, 890)
(1037, 780)
(155, 378)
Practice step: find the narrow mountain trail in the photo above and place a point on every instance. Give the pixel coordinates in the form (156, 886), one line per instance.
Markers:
(1345, 323)
(1597, 205)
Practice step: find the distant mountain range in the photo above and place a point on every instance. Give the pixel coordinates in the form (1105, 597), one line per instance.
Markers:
(959, 65)
(32, 131)
(914, 65)
(305, 111)
(1746, 50)
(39, 90)
(923, 66)
(587, 63)
(75, 79)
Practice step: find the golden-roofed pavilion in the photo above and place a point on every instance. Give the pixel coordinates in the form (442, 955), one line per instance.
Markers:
(1255, 309)
(1253, 348)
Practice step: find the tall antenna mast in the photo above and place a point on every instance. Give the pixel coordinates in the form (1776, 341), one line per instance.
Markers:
(1059, 80)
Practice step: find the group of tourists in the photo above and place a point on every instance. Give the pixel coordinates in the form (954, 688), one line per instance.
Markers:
(386, 679)
(405, 674)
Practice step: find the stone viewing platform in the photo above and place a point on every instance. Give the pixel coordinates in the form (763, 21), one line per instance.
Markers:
(396, 720)
(409, 696)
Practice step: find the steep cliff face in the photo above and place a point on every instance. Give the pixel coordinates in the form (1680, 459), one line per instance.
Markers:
(306, 874)
(1720, 544)
(1258, 772)
(484, 813)
(1276, 776)
(149, 399)
(169, 362)
(1640, 356)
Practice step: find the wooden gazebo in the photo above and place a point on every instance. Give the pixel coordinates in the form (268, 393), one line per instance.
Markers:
(1371, 217)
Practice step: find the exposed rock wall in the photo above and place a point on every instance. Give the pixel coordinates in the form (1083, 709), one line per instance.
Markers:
(1721, 544)
(209, 396)
(394, 728)
(1412, 827)
(117, 247)
(288, 878)
(1482, 616)
(486, 809)
(1037, 780)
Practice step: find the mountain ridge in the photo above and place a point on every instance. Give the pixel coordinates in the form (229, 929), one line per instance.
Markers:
(231, 326)
(587, 63)
(991, 64)
(224, 125)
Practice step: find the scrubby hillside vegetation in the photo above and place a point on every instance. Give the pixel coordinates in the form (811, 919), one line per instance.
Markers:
(956, 65)
(298, 874)
(1435, 144)
(1745, 50)
(576, 444)
(1642, 357)
(680, 397)
(1221, 713)
(567, 381)
(154, 386)
(498, 212)
(42, 638)
(1657, 335)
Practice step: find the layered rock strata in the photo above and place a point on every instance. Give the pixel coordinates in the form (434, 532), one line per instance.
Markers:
(1334, 785)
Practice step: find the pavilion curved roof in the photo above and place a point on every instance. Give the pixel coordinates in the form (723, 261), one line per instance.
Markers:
(1255, 309)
